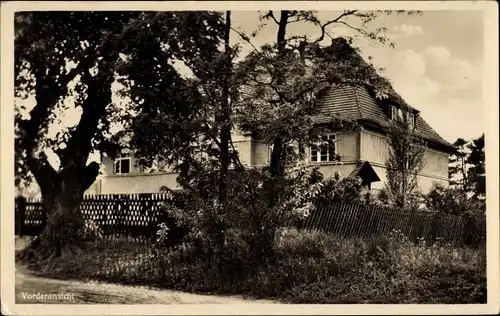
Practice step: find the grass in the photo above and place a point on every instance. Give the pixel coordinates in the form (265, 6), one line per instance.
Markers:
(307, 267)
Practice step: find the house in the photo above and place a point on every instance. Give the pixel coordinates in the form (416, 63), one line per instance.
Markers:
(363, 152)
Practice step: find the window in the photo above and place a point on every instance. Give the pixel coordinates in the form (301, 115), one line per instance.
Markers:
(413, 120)
(325, 151)
(122, 165)
(396, 113)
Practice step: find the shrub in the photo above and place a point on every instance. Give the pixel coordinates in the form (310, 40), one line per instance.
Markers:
(309, 267)
(91, 231)
(337, 189)
(453, 200)
(244, 227)
(291, 242)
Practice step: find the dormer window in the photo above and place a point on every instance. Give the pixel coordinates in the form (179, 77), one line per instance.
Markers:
(398, 114)
(122, 165)
(413, 120)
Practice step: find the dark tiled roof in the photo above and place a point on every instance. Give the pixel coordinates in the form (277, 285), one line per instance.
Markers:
(357, 103)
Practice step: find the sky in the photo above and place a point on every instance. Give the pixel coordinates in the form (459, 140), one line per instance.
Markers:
(436, 64)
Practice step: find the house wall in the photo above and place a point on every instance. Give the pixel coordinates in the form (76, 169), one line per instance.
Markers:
(244, 146)
(346, 146)
(425, 181)
(33, 190)
(260, 153)
(137, 183)
(375, 148)
(351, 146)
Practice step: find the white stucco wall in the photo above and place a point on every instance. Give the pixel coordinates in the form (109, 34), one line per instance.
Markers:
(351, 146)
(374, 148)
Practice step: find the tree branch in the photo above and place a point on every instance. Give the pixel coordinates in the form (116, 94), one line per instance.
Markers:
(94, 108)
(360, 30)
(270, 14)
(336, 20)
(245, 38)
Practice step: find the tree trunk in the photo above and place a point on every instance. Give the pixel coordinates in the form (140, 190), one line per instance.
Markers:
(276, 164)
(225, 117)
(64, 226)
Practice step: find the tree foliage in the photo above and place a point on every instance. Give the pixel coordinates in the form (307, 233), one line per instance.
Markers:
(453, 200)
(467, 168)
(458, 165)
(404, 163)
(284, 79)
(46, 46)
(477, 172)
(178, 122)
(101, 44)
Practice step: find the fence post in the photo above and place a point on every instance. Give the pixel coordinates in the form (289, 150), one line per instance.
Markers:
(20, 211)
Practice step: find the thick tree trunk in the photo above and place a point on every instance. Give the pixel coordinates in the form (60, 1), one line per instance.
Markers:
(224, 121)
(62, 229)
(61, 199)
(64, 224)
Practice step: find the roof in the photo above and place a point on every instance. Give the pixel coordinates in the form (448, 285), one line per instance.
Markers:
(365, 171)
(354, 99)
(357, 103)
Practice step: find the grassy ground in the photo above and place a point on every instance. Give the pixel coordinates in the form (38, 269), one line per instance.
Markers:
(92, 292)
(309, 267)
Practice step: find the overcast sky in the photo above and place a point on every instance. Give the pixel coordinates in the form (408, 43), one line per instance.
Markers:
(436, 64)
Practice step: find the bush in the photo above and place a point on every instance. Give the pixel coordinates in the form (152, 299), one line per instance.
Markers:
(454, 201)
(345, 190)
(244, 228)
(309, 267)
(291, 242)
(91, 231)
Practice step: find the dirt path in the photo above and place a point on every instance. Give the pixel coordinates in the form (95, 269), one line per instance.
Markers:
(104, 293)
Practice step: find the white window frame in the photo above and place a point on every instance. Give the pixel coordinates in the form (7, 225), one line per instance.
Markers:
(396, 112)
(117, 165)
(330, 157)
(413, 120)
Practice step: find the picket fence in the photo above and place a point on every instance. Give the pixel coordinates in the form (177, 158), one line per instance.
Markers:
(371, 220)
(137, 217)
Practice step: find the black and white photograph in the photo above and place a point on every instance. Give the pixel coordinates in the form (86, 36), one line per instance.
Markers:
(264, 153)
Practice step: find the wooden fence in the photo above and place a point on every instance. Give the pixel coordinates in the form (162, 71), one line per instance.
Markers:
(137, 216)
(132, 216)
(367, 221)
